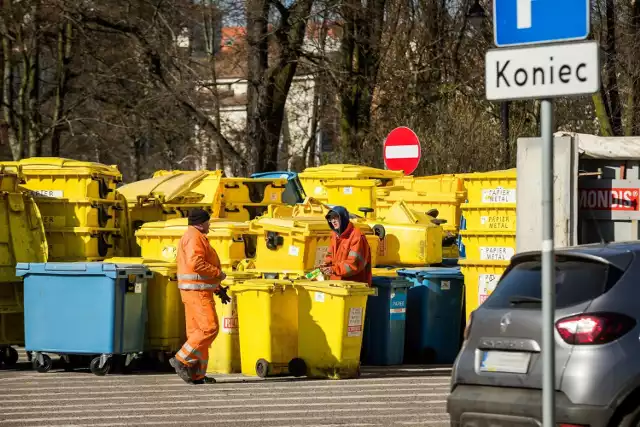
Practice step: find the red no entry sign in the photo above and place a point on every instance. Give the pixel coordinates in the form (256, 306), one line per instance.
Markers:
(402, 150)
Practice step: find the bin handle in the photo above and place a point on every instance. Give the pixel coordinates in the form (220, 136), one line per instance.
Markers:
(231, 186)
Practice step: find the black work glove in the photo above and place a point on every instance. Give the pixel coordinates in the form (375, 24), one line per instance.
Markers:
(222, 294)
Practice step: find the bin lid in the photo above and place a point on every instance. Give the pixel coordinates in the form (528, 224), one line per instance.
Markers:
(336, 287)
(164, 188)
(382, 271)
(305, 225)
(64, 166)
(391, 282)
(80, 268)
(276, 175)
(267, 285)
(432, 273)
(358, 183)
(345, 171)
(177, 227)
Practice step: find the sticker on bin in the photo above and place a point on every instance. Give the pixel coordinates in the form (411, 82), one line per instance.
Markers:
(354, 328)
(294, 250)
(319, 296)
(274, 197)
(230, 323)
(54, 221)
(501, 222)
(445, 285)
(382, 247)
(496, 253)
(138, 288)
(318, 190)
(53, 194)
(169, 253)
(348, 190)
(486, 285)
(398, 307)
(499, 195)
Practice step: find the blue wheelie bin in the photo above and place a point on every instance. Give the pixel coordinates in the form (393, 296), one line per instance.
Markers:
(384, 326)
(434, 314)
(84, 309)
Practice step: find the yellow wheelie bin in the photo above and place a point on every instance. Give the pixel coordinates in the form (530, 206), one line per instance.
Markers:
(224, 353)
(330, 323)
(268, 319)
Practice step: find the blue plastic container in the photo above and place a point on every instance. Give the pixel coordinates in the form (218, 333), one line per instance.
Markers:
(384, 325)
(84, 308)
(434, 314)
(294, 192)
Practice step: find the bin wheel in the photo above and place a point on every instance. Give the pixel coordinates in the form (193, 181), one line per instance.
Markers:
(297, 367)
(95, 368)
(45, 366)
(29, 356)
(262, 368)
(10, 356)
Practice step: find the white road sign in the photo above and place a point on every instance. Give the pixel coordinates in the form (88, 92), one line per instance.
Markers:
(542, 71)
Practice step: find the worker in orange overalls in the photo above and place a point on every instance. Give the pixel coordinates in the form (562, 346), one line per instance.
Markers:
(349, 255)
(199, 278)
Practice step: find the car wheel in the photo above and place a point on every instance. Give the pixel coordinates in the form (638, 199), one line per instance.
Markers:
(631, 418)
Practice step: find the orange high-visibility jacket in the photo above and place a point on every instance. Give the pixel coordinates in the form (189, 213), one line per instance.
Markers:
(349, 256)
(198, 263)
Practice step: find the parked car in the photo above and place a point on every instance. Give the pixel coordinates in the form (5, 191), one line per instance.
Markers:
(497, 377)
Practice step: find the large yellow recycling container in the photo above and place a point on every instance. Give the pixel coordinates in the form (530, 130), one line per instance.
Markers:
(447, 204)
(432, 184)
(253, 190)
(489, 245)
(84, 244)
(480, 279)
(330, 323)
(231, 240)
(298, 244)
(22, 239)
(68, 179)
(94, 213)
(268, 319)
(224, 353)
(490, 217)
(314, 178)
(353, 194)
(490, 187)
(410, 238)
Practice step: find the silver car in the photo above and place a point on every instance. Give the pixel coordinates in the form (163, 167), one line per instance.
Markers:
(497, 377)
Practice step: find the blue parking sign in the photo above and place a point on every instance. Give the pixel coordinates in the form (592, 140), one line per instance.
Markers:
(521, 22)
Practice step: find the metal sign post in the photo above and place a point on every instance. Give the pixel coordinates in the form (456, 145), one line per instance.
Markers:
(548, 267)
(543, 72)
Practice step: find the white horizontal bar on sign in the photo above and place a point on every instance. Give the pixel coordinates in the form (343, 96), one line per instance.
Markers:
(401, 152)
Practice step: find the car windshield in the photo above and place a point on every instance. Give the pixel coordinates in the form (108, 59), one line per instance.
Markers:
(577, 280)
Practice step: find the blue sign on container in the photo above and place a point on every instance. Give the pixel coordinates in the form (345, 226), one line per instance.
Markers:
(520, 22)
(398, 310)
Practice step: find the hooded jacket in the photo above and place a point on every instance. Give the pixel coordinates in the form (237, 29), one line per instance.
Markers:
(349, 254)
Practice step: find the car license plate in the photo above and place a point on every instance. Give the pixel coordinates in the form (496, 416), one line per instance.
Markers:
(511, 362)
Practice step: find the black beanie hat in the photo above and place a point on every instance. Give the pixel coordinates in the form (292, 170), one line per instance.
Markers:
(198, 216)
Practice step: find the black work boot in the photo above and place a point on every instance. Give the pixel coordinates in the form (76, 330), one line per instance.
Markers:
(205, 380)
(181, 370)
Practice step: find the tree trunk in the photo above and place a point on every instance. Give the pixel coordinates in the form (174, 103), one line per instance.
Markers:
(635, 62)
(65, 39)
(8, 95)
(610, 71)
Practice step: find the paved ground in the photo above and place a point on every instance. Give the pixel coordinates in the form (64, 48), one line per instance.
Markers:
(407, 396)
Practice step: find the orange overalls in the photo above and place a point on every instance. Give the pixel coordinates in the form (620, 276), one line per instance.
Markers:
(198, 277)
(349, 256)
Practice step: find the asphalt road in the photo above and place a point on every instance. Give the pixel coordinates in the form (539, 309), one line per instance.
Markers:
(395, 396)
